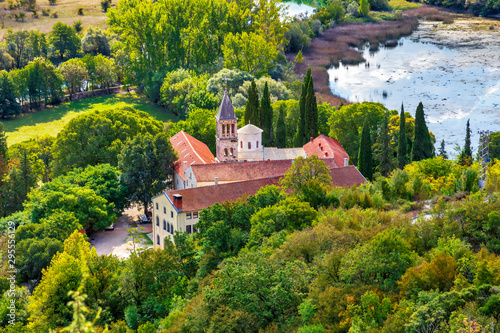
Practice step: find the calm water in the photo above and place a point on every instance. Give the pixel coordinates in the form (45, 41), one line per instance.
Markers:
(295, 9)
(454, 82)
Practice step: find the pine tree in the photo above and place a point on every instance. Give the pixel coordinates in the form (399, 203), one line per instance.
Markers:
(422, 144)
(442, 150)
(311, 112)
(280, 140)
(252, 107)
(383, 152)
(266, 114)
(365, 159)
(300, 135)
(402, 140)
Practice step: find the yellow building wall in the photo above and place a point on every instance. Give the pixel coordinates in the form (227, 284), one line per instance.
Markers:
(167, 212)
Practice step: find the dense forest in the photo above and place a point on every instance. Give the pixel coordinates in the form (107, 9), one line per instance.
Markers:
(415, 249)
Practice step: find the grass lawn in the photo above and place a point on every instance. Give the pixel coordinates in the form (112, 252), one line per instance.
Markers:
(50, 121)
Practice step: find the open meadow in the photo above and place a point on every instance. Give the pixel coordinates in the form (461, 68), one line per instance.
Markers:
(65, 10)
(50, 121)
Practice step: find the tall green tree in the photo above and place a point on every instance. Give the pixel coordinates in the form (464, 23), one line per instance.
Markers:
(280, 139)
(402, 151)
(9, 106)
(74, 74)
(300, 135)
(422, 145)
(21, 180)
(64, 39)
(146, 163)
(365, 158)
(467, 152)
(311, 112)
(383, 153)
(252, 114)
(442, 150)
(266, 116)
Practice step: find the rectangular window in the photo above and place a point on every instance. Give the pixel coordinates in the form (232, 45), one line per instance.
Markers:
(164, 210)
(195, 215)
(188, 216)
(188, 229)
(157, 206)
(172, 214)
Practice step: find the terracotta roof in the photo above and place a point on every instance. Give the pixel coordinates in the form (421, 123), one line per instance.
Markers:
(250, 129)
(226, 110)
(242, 171)
(325, 147)
(191, 150)
(273, 153)
(202, 197)
(346, 176)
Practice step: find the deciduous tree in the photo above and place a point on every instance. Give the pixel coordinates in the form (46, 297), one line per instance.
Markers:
(74, 74)
(64, 39)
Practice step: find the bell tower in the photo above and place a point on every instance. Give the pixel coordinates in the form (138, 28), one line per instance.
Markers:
(226, 131)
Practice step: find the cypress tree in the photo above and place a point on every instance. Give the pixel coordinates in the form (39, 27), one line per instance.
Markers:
(402, 140)
(365, 159)
(300, 135)
(383, 152)
(467, 147)
(422, 144)
(442, 150)
(252, 107)
(266, 114)
(280, 140)
(311, 111)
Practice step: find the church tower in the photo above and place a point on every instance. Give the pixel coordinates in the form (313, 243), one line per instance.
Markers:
(226, 131)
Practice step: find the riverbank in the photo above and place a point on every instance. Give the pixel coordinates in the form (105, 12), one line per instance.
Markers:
(337, 45)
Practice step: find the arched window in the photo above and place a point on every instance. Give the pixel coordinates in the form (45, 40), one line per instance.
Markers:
(168, 227)
(231, 152)
(171, 228)
(223, 129)
(225, 151)
(257, 144)
(232, 129)
(249, 145)
(164, 225)
(228, 130)
(157, 221)
(241, 144)
(158, 239)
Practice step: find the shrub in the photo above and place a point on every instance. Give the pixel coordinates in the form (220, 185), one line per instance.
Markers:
(46, 12)
(52, 2)
(80, 11)
(353, 9)
(78, 25)
(34, 14)
(105, 4)
(54, 15)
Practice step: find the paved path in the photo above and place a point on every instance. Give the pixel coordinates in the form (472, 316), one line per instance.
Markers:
(117, 241)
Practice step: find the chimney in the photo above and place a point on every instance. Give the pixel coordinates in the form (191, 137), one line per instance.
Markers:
(312, 139)
(346, 162)
(326, 154)
(184, 166)
(216, 180)
(178, 201)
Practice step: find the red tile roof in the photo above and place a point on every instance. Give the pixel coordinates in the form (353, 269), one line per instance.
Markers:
(325, 147)
(346, 176)
(197, 198)
(191, 150)
(242, 171)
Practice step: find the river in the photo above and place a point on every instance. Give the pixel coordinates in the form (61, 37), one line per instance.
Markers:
(453, 69)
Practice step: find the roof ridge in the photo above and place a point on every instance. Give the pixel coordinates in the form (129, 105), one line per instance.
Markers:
(192, 148)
